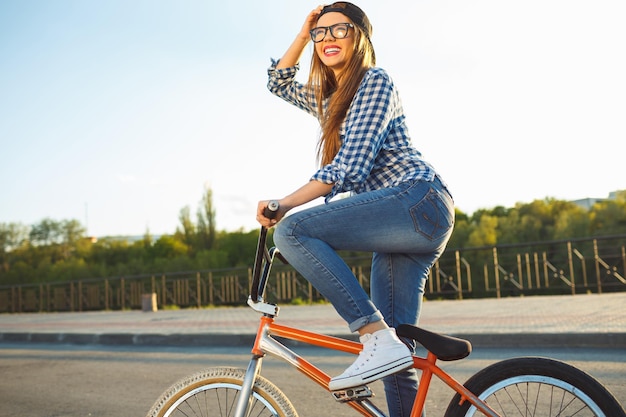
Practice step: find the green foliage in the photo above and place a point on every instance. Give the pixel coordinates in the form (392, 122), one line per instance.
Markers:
(486, 232)
(51, 250)
(206, 221)
(240, 247)
(539, 221)
(169, 247)
(608, 217)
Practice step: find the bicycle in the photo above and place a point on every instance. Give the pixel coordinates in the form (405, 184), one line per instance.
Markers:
(524, 386)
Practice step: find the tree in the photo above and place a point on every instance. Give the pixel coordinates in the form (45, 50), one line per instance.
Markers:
(206, 220)
(189, 229)
(571, 223)
(70, 233)
(462, 228)
(486, 232)
(608, 217)
(45, 232)
(240, 247)
(168, 247)
(12, 236)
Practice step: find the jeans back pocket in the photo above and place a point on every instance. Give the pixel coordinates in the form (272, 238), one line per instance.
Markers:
(433, 216)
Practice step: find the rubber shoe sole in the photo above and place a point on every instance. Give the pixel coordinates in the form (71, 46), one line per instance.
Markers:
(377, 373)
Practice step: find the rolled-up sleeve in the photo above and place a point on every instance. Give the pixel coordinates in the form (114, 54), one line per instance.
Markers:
(282, 83)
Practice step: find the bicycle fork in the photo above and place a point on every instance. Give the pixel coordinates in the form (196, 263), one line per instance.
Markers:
(245, 396)
(242, 409)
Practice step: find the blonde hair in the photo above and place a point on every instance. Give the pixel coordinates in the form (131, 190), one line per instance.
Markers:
(340, 92)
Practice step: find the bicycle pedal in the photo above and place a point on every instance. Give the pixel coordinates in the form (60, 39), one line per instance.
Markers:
(352, 394)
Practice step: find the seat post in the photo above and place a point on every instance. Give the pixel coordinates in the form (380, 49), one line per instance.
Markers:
(424, 385)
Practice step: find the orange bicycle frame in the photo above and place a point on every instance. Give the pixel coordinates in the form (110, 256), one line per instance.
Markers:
(266, 344)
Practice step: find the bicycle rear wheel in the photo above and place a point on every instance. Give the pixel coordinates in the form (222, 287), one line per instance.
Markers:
(537, 387)
(214, 392)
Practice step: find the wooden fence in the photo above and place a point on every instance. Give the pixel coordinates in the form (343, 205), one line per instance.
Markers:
(558, 267)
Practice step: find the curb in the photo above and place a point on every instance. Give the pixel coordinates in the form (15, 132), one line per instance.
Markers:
(508, 340)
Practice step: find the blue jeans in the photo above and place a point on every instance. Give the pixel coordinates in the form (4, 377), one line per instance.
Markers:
(406, 227)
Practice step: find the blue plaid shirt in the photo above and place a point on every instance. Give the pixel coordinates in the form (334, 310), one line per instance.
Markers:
(376, 150)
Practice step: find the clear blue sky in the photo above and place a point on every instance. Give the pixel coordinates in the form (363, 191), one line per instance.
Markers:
(119, 113)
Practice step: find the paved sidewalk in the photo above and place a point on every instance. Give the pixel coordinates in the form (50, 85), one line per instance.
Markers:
(581, 320)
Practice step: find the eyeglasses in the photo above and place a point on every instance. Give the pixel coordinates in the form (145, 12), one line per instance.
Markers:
(338, 31)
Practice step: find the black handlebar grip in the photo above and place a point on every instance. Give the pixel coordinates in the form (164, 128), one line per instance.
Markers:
(271, 210)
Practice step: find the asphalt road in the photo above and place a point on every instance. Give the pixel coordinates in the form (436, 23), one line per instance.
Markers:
(94, 381)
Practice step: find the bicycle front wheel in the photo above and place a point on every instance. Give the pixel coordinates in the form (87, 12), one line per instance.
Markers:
(537, 387)
(214, 393)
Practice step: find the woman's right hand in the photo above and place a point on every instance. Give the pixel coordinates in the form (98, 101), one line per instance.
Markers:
(310, 23)
(293, 53)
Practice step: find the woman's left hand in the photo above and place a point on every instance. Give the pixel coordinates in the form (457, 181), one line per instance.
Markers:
(265, 221)
(308, 192)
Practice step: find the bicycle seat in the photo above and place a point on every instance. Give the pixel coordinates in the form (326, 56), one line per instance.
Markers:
(444, 347)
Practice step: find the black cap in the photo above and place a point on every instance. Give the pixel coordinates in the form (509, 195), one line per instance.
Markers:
(353, 12)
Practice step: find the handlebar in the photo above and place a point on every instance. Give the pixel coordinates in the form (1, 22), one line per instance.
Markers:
(263, 261)
(272, 209)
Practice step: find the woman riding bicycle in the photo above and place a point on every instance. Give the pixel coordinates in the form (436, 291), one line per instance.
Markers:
(399, 208)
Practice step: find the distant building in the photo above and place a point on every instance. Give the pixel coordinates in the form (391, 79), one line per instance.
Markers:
(587, 203)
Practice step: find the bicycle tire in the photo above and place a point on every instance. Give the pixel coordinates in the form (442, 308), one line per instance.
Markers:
(535, 386)
(214, 392)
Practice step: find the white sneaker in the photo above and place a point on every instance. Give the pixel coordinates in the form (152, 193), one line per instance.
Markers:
(383, 354)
